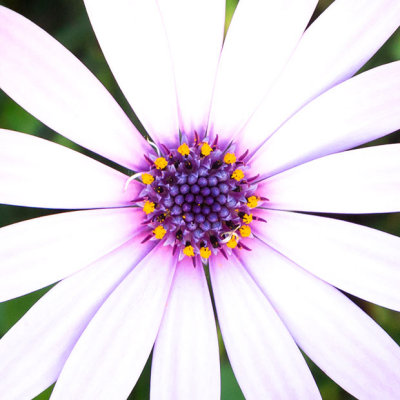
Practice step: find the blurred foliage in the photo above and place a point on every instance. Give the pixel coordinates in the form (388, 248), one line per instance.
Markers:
(67, 21)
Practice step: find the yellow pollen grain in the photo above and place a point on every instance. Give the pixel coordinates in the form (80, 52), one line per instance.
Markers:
(247, 218)
(237, 174)
(205, 252)
(188, 251)
(184, 149)
(252, 201)
(160, 163)
(159, 232)
(245, 231)
(148, 207)
(229, 158)
(147, 179)
(206, 149)
(232, 242)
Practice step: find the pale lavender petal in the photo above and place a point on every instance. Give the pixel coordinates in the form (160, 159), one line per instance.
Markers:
(264, 358)
(34, 351)
(195, 30)
(112, 351)
(357, 181)
(259, 42)
(133, 40)
(335, 47)
(340, 338)
(185, 361)
(41, 251)
(357, 111)
(55, 87)
(38, 173)
(359, 260)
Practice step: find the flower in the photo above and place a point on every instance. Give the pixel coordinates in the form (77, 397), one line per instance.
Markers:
(129, 257)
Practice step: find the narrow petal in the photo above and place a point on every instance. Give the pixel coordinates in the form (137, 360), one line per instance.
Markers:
(132, 37)
(340, 338)
(112, 351)
(326, 56)
(264, 358)
(186, 357)
(41, 251)
(55, 87)
(358, 181)
(357, 111)
(34, 351)
(359, 260)
(38, 173)
(195, 30)
(259, 42)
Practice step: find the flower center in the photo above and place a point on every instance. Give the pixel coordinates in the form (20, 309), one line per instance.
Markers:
(198, 199)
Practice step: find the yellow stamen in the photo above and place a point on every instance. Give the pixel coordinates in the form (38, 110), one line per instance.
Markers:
(148, 207)
(247, 218)
(184, 149)
(205, 252)
(245, 231)
(160, 163)
(229, 158)
(252, 201)
(232, 242)
(206, 149)
(159, 232)
(147, 179)
(188, 251)
(237, 174)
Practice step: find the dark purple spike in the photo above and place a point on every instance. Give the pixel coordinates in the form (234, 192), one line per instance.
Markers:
(215, 141)
(223, 253)
(244, 155)
(148, 237)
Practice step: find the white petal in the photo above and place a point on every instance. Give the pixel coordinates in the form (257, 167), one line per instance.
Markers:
(335, 47)
(41, 251)
(359, 110)
(38, 173)
(34, 351)
(259, 42)
(359, 260)
(264, 358)
(55, 87)
(340, 338)
(185, 361)
(111, 353)
(132, 37)
(195, 31)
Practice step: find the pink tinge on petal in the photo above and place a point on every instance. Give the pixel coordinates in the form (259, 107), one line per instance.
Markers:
(132, 37)
(355, 112)
(358, 181)
(37, 173)
(264, 358)
(195, 31)
(112, 351)
(185, 361)
(34, 351)
(260, 40)
(332, 49)
(55, 87)
(41, 251)
(340, 338)
(359, 260)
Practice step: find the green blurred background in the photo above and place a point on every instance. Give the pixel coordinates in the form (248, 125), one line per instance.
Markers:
(67, 21)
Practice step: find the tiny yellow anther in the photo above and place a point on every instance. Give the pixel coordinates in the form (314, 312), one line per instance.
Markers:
(160, 163)
(188, 251)
(229, 158)
(148, 207)
(184, 149)
(232, 242)
(206, 149)
(147, 179)
(247, 218)
(245, 231)
(159, 232)
(237, 174)
(205, 252)
(252, 201)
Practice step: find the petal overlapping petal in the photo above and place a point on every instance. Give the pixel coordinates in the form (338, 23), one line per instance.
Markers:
(55, 87)
(112, 351)
(185, 360)
(264, 358)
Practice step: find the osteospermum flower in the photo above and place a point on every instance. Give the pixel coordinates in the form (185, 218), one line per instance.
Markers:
(241, 140)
